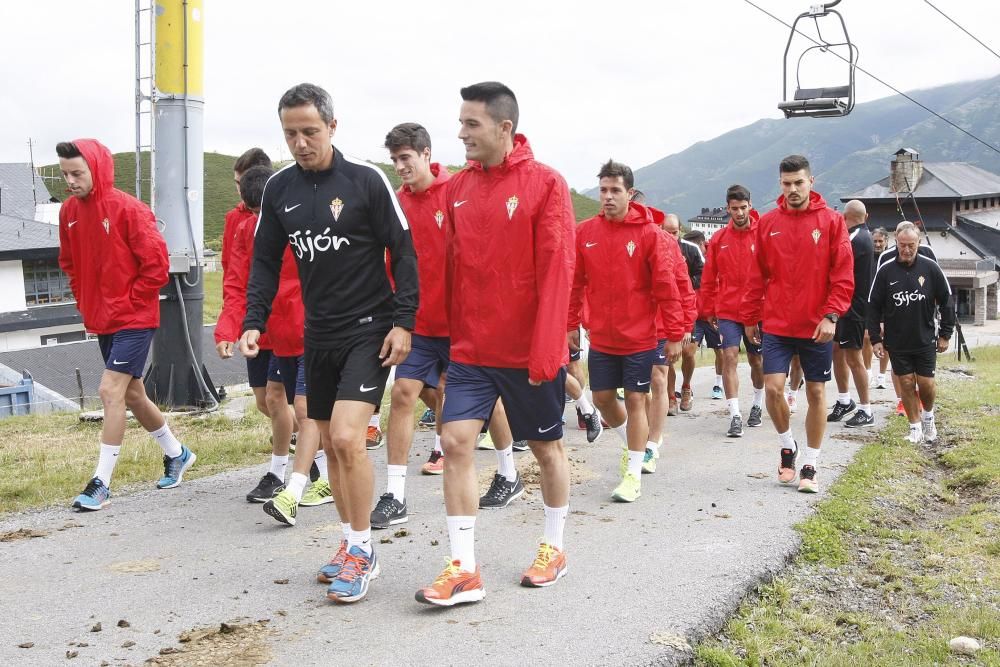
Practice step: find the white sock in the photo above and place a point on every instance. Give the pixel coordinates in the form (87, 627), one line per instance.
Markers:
(555, 521)
(462, 537)
(787, 441)
(622, 431)
(170, 445)
(396, 484)
(734, 407)
(758, 397)
(866, 408)
(505, 463)
(345, 528)
(810, 456)
(655, 446)
(106, 463)
(297, 485)
(376, 420)
(718, 380)
(361, 539)
(844, 398)
(278, 466)
(635, 462)
(437, 444)
(927, 415)
(584, 405)
(320, 461)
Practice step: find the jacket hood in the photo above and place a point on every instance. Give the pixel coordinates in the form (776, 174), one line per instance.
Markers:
(441, 176)
(101, 164)
(639, 215)
(816, 203)
(520, 153)
(754, 219)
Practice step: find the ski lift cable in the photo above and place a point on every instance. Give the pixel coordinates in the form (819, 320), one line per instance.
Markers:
(878, 80)
(956, 24)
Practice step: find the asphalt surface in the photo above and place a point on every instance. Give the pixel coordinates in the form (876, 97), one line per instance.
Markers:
(711, 524)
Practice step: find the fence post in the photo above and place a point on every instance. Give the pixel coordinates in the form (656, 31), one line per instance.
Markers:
(79, 385)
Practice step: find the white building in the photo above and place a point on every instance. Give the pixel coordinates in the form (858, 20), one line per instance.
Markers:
(709, 221)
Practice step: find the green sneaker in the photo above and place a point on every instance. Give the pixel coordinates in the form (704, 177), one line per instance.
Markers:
(649, 462)
(629, 490)
(282, 507)
(485, 442)
(623, 464)
(317, 493)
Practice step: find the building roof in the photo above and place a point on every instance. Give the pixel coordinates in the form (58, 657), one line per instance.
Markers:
(940, 180)
(55, 366)
(24, 238)
(40, 317)
(17, 197)
(982, 236)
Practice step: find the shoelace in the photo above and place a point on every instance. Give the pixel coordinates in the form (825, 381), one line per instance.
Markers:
(352, 567)
(435, 456)
(546, 552)
(92, 486)
(787, 457)
(385, 503)
(338, 558)
(449, 571)
(497, 488)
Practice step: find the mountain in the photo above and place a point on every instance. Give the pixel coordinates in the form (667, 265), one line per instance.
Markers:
(846, 153)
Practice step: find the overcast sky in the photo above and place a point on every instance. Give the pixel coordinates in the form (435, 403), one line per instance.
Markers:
(594, 79)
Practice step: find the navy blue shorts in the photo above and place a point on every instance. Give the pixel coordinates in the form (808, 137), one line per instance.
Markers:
(427, 360)
(816, 358)
(125, 351)
(257, 369)
(630, 371)
(575, 356)
(289, 371)
(732, 333)
(660, 353)
(704, 331)
(534, 413)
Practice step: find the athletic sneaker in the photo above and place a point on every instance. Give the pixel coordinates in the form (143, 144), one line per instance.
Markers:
(485, 442)
(735, 427)
(501, 493)
(282, 507)
(428, 418)
(548, 568)
(648, 462)
(860, 419)
(672, 407)
(580, 423)
(329, 572)
(174, 469)
(317, 493)
(755, 416)
(453, 586)
(900, 410)
(351, 584)
(792, 401)
(621, 394)
(268, 487)
(592, 423)
(915, 435)
(629, 490)
(294, 441)
(840, 411)
(786, 468)
(717, 394)
(807, 480)
(388, 512)
(520, 446)
(686, 396)
(434, 464)
(313, 472)
(373, 439)
(95, 496)
(880, 381)
(930, 429)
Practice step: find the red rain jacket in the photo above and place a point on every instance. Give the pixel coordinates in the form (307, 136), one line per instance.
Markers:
(625, 272)
(425, 213)
(110, 248)
(682, 316)
(728, 258)
(803, 269)
(509, 248)
(233, 218)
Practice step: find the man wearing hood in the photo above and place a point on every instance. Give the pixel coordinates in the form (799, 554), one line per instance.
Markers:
(116, 261)
(800, 284)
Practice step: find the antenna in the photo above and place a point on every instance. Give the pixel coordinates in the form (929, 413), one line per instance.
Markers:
(34, 188)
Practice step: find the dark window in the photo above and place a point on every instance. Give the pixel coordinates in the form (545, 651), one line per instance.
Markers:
(68, 337)
(45, 283)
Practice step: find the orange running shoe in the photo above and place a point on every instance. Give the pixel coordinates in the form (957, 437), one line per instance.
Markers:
(900, 410)
(786, 469)
(453, 586)
(434, 465)
(373, 439)
(548, 568)
(672, 408)
(686, 396)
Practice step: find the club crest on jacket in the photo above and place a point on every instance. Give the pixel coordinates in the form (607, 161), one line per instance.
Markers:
(920, 280)
(511, 206)
(107, 225)
(816, 234)
(336, 206)
(630, 246)
(439, 218)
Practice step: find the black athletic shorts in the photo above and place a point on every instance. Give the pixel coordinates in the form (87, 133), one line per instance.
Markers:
(850, 334)
(922, 362)
(350, 371)
(257, 368)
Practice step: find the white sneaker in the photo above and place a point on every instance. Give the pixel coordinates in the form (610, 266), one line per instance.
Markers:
(790, 399)
(930, 430)
(880, 381)
(915, 435)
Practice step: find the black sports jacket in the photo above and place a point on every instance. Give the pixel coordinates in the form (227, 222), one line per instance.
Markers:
(903, 298)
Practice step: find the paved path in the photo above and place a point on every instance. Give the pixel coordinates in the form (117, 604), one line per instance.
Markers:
(712, 522)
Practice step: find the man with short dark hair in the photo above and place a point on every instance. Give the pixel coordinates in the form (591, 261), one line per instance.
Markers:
(903, 297)
(116, 262)
(340, 216)
(509, 245)
(800, 284)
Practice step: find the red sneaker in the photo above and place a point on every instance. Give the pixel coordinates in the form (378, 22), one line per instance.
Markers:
(453, 586)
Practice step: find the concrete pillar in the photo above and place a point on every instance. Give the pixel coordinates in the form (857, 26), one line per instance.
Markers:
(991, 301)
(979, 306)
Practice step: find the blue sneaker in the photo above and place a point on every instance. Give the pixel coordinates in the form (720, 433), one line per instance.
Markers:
(717, 394)
(351, 583)
(173, 469)
(428, 418)
(95, 496)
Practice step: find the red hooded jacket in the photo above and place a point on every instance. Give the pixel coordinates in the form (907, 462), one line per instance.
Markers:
(625, 272)
(728, 257)
(110, 248)
(509, 248)
(685, 312)
(425, 213)
(233, 218)
(803, 269)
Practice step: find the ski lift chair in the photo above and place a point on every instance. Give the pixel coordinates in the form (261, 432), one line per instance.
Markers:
(825, 102)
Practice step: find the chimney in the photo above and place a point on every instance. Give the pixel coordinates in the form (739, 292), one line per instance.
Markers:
(905, 170)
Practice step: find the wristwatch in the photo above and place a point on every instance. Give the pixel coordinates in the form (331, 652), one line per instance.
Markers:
(833, 317)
